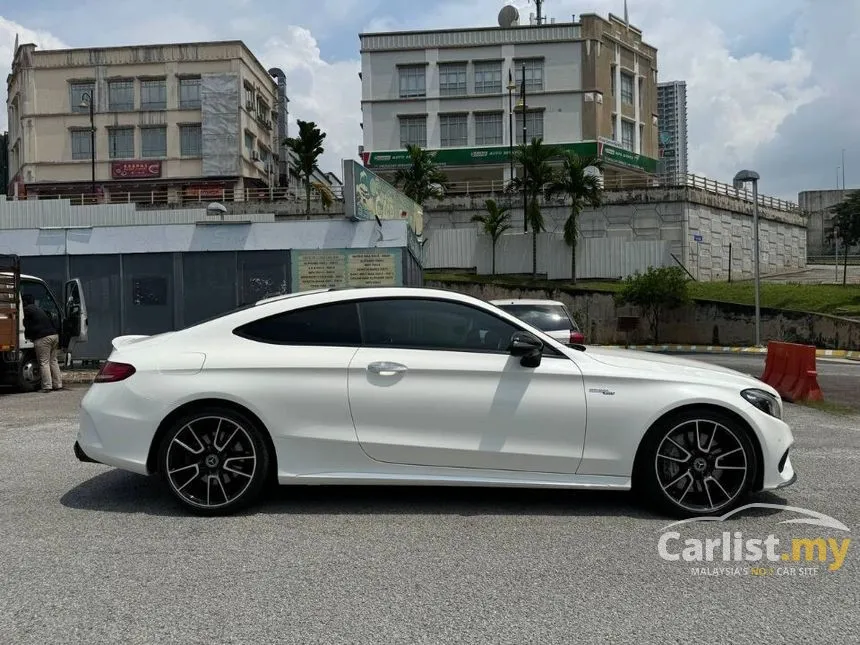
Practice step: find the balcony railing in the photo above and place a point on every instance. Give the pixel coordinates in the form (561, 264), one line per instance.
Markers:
(194, 197)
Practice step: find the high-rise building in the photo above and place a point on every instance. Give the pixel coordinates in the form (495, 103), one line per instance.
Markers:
(672, 119)
(4, 162)
(176, 119)
(590, 84)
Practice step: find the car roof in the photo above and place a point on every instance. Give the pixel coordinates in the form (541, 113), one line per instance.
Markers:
(526, 301)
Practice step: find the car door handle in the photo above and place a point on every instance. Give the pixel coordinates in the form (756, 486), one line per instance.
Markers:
(385, 368)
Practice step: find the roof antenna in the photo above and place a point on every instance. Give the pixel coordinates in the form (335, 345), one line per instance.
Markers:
(538, 4)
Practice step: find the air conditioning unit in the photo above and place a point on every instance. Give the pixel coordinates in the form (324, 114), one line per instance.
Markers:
(255, 155)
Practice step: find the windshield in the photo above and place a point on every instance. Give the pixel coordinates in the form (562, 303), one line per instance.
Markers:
(544, 317)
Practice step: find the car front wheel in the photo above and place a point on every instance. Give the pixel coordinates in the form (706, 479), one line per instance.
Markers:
(697, 463)
(214, 461)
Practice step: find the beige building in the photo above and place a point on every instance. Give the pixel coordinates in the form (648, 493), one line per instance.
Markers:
(591, 86)
(181, 121)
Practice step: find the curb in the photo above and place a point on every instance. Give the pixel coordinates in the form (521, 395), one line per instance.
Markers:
(717, 349)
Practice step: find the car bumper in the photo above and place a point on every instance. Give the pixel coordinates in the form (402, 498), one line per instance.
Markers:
(115, 428)
(776, 440)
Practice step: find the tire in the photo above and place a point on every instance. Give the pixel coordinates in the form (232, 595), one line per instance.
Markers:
(29, 373)
(215, 461)
(684, 472)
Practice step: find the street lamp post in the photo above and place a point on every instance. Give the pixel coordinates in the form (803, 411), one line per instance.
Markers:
(511, 87)
(522, 105)
(87, 101)
(741, 178)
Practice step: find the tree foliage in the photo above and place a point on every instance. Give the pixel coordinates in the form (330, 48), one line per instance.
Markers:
(846, 225)
(654, 292)
(582, 188)
(535, 158)
(422, 179)
(494, 222)
(308, 148)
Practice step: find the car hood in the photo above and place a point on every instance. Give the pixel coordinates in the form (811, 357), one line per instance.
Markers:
(669, 365)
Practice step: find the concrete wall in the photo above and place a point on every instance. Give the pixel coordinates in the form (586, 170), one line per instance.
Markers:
(673, 215)
(817, 203)
(702, 323)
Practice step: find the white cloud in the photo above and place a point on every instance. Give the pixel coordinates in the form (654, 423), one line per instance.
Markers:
(8, 32)
(327, 93)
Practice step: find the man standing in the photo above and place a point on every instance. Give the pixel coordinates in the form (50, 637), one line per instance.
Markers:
(39, 328)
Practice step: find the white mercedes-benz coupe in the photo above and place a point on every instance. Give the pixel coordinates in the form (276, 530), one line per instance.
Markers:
(423, 386)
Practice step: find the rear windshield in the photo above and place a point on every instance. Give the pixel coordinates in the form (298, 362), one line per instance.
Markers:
(544, 317)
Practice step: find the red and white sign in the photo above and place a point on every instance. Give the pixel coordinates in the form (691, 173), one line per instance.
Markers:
(135, 169)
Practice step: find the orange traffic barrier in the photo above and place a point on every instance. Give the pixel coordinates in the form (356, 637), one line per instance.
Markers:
(790, 369)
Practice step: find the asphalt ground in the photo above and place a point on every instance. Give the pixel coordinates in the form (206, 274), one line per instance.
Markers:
(90, 554)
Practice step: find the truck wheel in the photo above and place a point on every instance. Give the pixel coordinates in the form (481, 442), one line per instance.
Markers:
(29, 373)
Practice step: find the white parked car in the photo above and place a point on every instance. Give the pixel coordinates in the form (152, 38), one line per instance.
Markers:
(550, 316)
(419, 386)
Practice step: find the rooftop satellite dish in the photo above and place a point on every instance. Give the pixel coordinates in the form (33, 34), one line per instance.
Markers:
(508, 16)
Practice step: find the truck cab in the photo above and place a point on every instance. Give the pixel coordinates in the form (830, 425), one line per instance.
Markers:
(18, 364)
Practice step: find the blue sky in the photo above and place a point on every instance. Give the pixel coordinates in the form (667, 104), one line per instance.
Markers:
(765, 89)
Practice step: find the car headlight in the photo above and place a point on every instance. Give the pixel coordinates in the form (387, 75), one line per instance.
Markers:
(764, 401)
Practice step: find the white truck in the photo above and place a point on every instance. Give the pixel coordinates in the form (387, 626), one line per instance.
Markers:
(18, 365)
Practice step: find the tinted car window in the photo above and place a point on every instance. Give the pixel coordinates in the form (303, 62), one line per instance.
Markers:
(544, 317)
(433, 324)
(334, 324)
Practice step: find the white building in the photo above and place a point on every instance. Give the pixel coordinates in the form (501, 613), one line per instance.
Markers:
(590, 86)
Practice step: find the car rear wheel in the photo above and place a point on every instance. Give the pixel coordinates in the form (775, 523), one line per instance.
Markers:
(697, 463)
(214, 461)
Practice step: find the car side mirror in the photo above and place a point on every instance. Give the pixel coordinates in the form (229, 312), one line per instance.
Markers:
(528, 347)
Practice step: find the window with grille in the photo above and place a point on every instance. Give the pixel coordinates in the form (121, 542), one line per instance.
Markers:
(121, 143)
(454, 130)
(79, 95)
(81, 144)
(413, 81)
(533, 73)
(488, 78)
(452, 79)
(189, 93)
(488, 129)
(120, 95)
(534, 126)
(626, 88)
(627, 129)
(153, 142)
(413, 131)
(190, 140)
(153, 95)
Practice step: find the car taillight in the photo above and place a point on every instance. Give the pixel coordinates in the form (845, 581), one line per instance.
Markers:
(112, 372)
(576, 337)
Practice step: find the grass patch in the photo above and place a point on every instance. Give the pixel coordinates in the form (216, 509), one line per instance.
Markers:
(830, 407)
(830, 299)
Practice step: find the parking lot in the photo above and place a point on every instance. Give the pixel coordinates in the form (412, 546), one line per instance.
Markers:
(90, 554)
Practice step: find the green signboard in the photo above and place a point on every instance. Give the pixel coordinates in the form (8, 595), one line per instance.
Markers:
(367, 196)
(501, 155)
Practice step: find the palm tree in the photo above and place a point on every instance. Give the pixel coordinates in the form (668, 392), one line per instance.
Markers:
(422, 179)
(535, 159)
(308, 148)
(494, 222)
(583, 189)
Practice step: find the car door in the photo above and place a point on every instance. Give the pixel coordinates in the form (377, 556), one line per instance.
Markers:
(75, 323)
(293, 366)
(434, 385)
